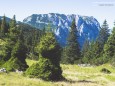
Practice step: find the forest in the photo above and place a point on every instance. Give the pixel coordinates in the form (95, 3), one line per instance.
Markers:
(21, 43)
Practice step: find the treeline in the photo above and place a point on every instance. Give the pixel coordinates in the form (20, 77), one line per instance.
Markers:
(12, 31)
(96, 52)
(19, 41)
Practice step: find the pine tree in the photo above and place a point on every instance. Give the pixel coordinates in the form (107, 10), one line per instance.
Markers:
(99, 44)
(72, 51)
(6, 52)
(89, 53)
(109, 47)
(18, 56)
(85, 47)
(4, 27)
(0, 28)
(103, 35)
(48, 66)
(14, 29)
(96, 49)
(84, 51)
(0, 23)
(13, 22)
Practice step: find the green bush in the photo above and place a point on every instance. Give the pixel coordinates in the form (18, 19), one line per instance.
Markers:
(17, 60)
(45, 70)
(113, 61)
(5, 51)
(15, 63)
(48, 67)
(104, 70)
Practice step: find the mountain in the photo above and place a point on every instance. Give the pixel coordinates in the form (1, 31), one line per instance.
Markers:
(88, 27)
(7, 19)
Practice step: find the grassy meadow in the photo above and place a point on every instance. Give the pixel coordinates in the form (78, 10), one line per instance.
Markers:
(75, 76)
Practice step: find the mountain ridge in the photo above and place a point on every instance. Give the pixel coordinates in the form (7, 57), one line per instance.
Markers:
(88, 27)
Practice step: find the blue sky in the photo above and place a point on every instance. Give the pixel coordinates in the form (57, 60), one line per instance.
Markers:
(100, 9)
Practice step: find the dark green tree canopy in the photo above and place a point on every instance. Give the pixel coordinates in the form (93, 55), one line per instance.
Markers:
(18, 56)
(4, 26)
(72, 50)
(109, 48)
(48, 67)
(103, 34)
(13, 22)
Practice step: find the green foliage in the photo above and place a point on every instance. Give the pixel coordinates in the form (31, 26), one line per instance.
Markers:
(13, 64)
(104, 70)
(49, 48)
(18, 56)
(31, 36)
(72, 50)
(15, 42)
(85, 51)
(6, 54)
(48, 67)
(93, 53)
(45, 69)
(13, 22)
(4, 26)
(103, 34)
(109, 48)
(113, 61)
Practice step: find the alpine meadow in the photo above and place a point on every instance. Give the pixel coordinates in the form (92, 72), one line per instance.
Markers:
(41, 46)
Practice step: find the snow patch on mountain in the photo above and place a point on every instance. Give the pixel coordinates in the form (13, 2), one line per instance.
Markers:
(88, 27)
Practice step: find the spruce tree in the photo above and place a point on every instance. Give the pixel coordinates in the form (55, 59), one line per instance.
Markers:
(72, 50)
(14, 30)
(84, 51)
(89, 54)
(96, 51)
(85, 47)
(0, 28)
(48, 66)
(103, 35)
(13, 22)
(6, 49)
(109, 47)
(4, 28)
(0, 23)
(100, 42)
(18, 56)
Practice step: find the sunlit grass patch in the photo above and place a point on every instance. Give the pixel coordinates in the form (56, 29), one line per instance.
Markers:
(74, 75)
(110, 77)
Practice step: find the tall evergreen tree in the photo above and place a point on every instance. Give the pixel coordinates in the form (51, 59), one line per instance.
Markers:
(99, 43)
(85, 47)
(48, 66)
(0, 27)
(4, 28)
(95, 51)
(72, 50)
(0, 23)
(18, 56)
(14, 29)
(109, 47)
(103, 34)
(13, 22)
(89, 53)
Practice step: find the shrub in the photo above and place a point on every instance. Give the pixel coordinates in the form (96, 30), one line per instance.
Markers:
(45, 70)
(17, 60)
(15, 63)
(48, 67)
(104, 70)
(5, 51)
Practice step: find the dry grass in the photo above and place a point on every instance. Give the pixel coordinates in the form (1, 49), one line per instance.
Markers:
(75, 76)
